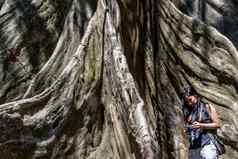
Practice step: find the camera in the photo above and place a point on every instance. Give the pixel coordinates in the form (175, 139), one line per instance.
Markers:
(188, 126)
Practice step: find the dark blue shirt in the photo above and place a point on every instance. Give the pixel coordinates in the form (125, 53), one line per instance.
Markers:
(198, 137)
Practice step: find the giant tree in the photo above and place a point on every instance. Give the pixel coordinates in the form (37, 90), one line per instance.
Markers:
(102, 79)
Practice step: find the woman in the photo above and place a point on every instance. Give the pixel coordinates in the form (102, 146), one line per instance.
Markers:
(201, 121)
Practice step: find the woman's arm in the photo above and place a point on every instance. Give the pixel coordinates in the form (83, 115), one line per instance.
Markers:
(214, 117)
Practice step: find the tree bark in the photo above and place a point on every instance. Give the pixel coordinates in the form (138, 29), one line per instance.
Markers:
(83, 101)
(102, 79)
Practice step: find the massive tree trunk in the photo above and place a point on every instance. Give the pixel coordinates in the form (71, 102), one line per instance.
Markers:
(102, 79)
(73, 83)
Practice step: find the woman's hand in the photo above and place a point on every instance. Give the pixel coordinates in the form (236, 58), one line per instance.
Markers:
(197, 125)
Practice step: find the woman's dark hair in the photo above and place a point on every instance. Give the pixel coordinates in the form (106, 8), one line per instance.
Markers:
(189, 91)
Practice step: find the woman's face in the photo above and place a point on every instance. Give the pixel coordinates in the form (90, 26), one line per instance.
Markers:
(191, 100)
